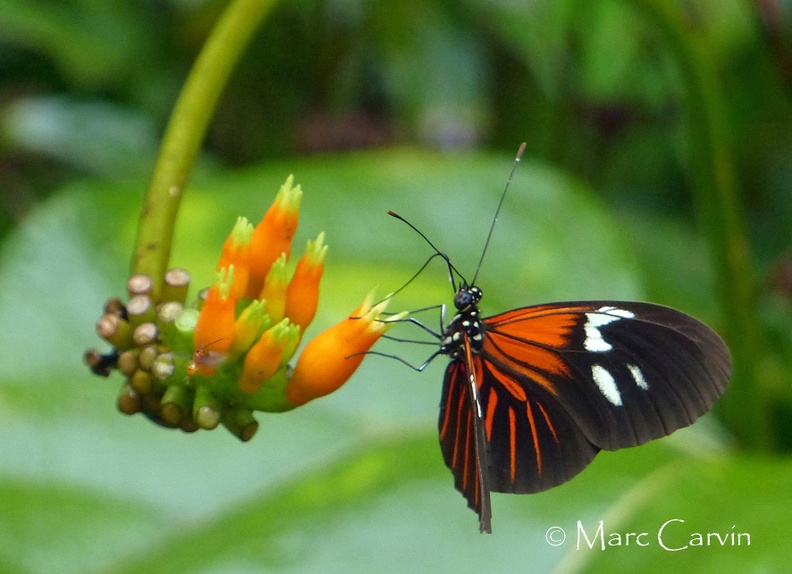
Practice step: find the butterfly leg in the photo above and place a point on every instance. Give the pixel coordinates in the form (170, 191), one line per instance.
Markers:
(419, 368)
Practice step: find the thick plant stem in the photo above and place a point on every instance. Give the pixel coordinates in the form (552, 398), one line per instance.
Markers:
(185, 133)
(714, 186)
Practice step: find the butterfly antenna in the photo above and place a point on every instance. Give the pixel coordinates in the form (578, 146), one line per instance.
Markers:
(415, 276)
(438, 253)
(517, 159)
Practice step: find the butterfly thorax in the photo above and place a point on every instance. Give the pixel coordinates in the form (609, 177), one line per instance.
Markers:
(466, 324)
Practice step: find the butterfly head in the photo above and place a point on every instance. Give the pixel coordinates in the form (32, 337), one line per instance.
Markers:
(467, 296)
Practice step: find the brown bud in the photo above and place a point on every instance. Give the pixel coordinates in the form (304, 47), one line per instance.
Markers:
(145, 334)
(140, 284)
(175, 286)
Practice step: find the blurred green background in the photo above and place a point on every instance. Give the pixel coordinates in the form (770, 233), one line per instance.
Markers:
(658, 167)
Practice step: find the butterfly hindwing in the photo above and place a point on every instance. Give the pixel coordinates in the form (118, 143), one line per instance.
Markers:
(529, 443)
(462, 440)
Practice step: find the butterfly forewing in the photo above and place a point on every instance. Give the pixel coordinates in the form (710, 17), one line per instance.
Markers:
(627, 373)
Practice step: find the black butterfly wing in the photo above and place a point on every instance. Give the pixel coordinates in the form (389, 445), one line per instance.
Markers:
(556, 383)
(627, 373)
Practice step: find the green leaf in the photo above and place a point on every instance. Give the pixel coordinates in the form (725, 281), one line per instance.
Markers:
(354, 481)
(44, 521)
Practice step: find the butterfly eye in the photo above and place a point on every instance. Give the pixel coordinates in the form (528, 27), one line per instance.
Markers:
(462, 299)
(467, 296)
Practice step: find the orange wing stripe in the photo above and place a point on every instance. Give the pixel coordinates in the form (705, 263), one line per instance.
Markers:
(517, 353)
(492, 403)
(460, 408)
(512, 386)
(548, 421)
(535, 437)
(547, 318)
(447, 418)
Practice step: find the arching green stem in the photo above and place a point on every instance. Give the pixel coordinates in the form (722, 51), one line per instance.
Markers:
(185, 133)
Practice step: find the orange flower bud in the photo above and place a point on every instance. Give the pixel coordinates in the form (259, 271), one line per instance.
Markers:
(302, 295)
(273, 235)
(263, 358)
(215, 325)
(236, 252)
(274, 291)
(329, 359)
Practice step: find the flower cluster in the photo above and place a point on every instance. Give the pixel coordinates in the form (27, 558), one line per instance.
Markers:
(227, 355)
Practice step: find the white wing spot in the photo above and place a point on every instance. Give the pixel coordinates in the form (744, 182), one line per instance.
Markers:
(606, 384)
(623, 313)
(599, 318)
(639, 377)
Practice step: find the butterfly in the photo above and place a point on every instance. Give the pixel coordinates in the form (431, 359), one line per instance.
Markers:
(531, 395)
